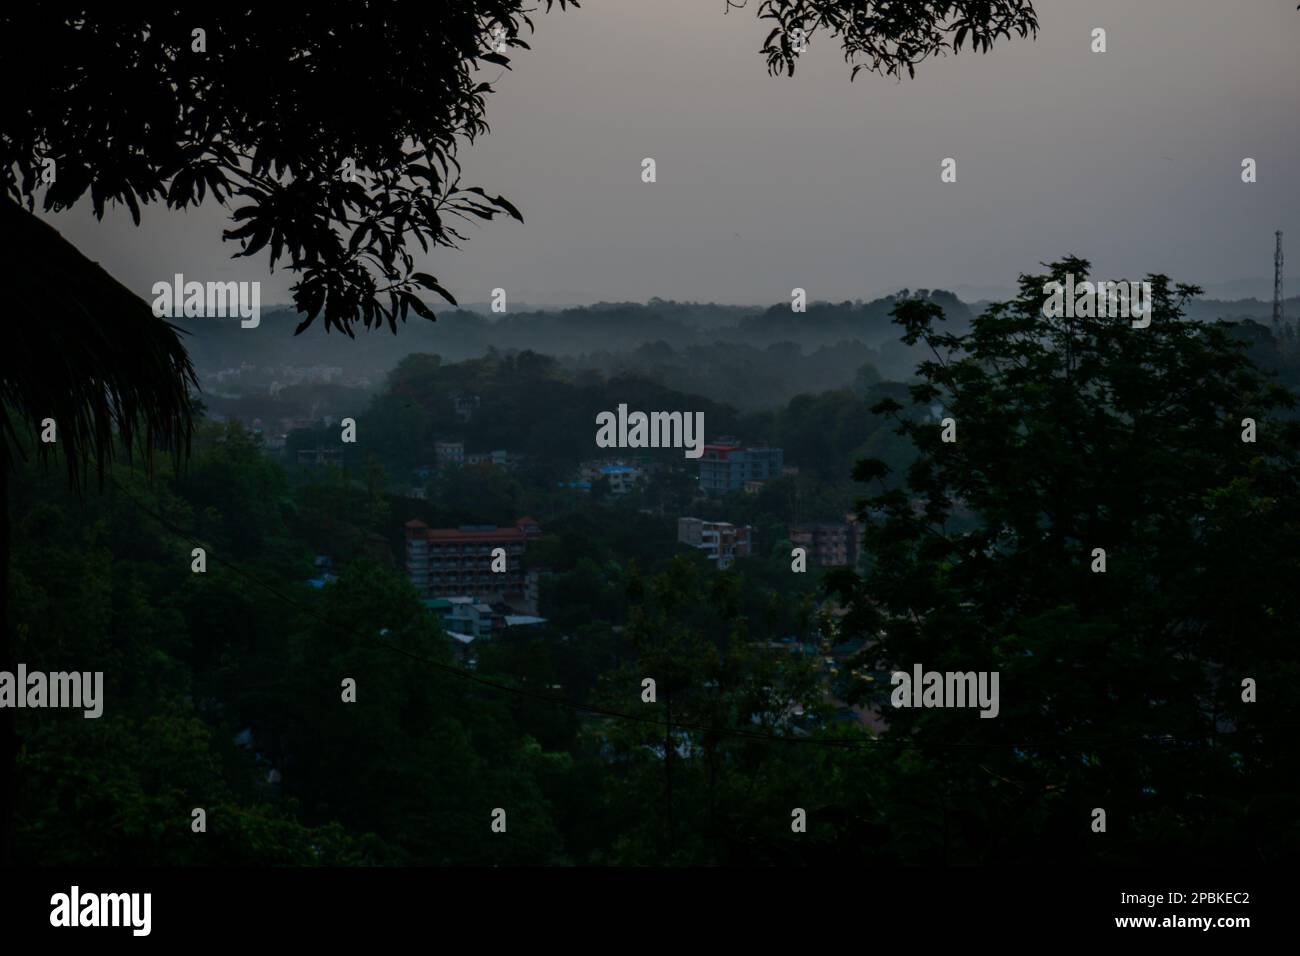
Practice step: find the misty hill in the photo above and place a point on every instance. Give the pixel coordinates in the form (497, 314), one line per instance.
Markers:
(748, 356)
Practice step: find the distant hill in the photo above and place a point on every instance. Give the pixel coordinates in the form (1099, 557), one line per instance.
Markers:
(750, 356)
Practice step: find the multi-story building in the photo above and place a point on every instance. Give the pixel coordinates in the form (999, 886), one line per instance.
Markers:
(622, 477)
(444, 562)
(726, 467)
(830, 544)
(449, 452)
(721, 542)
(471, 616)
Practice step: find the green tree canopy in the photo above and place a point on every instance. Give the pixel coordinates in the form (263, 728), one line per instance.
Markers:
(1123, 689)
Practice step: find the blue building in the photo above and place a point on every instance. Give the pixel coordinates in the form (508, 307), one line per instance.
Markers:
(725, 468)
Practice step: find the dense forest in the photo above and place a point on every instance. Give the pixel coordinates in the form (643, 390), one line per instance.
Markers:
(1121, 689)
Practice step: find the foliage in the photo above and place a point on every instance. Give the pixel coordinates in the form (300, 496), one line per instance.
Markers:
(887, 38)
(1122, 689)
(132, 110)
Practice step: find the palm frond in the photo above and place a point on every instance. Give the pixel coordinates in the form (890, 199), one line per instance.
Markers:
(84, 350)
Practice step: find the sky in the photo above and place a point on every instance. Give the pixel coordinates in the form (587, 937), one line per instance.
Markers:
(1130, 158)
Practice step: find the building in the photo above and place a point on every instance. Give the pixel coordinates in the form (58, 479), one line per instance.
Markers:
(726, 467)
(319, 457)
(475, 618)
(523, 620)
(721, 542)
(464, 405)
(471, 616)
(622, 477)
(500, 458)
(533, 588)
(449, 453)
(447, 562)
(462, 641)
(324, 566)
(462, 648)
(830, 544)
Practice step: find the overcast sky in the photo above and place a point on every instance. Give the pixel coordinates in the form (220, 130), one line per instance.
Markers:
(1130, 158)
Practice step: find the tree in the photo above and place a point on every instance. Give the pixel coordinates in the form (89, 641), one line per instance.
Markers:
(335, 129)
(887, 38)
(107, 378)
(713, 674)
(425, 757)
(100, 584)
(157, 107)
(1122, 688)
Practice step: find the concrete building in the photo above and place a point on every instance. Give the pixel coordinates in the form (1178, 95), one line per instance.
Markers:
(721, 542)
(726, 467)
(464, 405)
(533, 588)
(471, 616)
(446, 562)
(462, 614)
(622, 477)
(449, 453)
(829, 544)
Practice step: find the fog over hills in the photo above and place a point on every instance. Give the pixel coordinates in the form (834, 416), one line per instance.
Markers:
(751, 356)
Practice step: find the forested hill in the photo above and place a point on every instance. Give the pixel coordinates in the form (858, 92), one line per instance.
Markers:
(604, 327)
(746, 356)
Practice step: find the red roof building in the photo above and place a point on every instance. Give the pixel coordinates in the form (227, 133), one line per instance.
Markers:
(445, 562)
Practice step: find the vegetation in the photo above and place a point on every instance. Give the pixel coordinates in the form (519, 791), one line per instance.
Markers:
(1123, 683)
(224, 686)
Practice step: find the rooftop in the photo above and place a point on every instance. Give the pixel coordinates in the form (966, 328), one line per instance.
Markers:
(515, 620)
(523, 528)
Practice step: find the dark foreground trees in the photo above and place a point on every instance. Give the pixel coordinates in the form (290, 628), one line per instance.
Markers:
(1125, 689)
(890, 38)
(331, 132)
